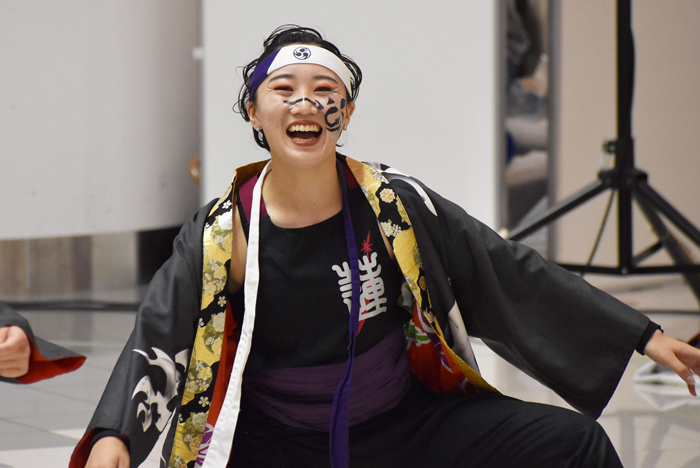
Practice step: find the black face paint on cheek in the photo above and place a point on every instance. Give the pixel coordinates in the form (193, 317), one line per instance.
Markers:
(316, 104)
(334, 125)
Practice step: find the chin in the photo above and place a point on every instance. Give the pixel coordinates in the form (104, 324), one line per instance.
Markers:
(306, 156)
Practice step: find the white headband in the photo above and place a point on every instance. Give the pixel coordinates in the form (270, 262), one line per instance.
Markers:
(298, 53)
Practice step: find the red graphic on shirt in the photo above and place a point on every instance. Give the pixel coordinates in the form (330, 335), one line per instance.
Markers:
(367, 245)
(359, 326)
(372, 300)
(362, 319)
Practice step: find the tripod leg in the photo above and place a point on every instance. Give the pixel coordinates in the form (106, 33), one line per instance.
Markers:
(558, 210)
(657, 201)
(673, 247)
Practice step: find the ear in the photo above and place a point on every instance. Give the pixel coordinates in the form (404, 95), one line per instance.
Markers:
(349, 109)
(252, 113)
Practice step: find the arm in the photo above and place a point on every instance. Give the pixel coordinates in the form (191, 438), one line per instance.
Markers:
(25, 358)
(109, 452)
(676, 355)
(548, 322)
(146, 385)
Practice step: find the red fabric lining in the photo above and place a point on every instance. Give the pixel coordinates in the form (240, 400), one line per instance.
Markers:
(82, 451)
(245, 193)
(41, 368)
(228, 353)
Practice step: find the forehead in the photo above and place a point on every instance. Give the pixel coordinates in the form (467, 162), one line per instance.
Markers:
(305, 71)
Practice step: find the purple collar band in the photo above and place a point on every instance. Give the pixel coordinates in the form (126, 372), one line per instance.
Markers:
(299, 53)
(339, 443)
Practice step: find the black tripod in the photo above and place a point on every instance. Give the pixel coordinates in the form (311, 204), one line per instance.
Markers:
(630, 184)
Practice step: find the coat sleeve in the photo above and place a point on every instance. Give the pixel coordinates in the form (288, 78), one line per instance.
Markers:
(547, 321)
(46, 359)
(145, 387)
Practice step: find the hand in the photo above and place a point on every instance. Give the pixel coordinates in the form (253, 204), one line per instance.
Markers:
(678, 356)
(14, 352)
(109, 452)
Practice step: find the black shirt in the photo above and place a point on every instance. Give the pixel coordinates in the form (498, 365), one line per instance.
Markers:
(303, 297)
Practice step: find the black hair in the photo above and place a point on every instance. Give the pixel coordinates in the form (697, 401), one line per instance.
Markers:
(280, 37)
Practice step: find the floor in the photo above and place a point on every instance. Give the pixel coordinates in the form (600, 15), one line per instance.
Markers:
(41, 423)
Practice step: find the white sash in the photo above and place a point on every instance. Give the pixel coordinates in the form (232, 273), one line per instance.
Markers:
(219, 449)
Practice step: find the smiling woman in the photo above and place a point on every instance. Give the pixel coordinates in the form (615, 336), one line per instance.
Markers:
(278, 52)
(360, 284)
(303, 101)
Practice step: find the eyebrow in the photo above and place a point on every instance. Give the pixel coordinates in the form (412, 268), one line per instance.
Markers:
(281, 76)
(291, 76)
(326, 77)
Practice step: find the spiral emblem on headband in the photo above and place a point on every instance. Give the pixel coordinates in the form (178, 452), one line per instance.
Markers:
(301, 53)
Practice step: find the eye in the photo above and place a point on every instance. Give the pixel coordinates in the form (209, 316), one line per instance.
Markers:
(326, 89)
(283, 89)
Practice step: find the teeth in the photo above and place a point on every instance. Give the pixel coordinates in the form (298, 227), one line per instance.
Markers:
(304, 128)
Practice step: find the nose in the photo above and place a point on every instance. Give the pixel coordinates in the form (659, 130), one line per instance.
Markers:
(303, 106)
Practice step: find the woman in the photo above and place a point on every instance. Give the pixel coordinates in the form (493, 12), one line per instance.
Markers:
(300, 242)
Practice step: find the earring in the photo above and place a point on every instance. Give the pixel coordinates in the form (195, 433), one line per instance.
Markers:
(257, 128)
(345, 127)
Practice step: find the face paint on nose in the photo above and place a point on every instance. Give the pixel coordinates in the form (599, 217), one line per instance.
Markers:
(292, 97)
(315, 104)
(335, 114)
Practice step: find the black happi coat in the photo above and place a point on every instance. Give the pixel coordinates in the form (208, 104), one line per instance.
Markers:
(543, 319)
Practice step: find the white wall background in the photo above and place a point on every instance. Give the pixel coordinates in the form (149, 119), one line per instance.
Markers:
(428, 103)
(98, 116)
(666, 113)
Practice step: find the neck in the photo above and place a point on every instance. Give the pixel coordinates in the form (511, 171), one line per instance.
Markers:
(297, 197)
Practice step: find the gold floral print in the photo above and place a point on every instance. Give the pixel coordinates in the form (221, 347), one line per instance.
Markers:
(387, 195)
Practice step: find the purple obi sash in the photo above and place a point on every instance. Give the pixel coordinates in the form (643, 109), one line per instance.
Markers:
(303, 397)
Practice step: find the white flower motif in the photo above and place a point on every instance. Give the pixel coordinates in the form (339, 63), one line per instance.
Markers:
(191, 386)
(226, 205)
(218, 321)
(201, 323)
(222, 301)
(219, 271)
(199, 421)
(390, 229)
(204, 401)
(226, 221)
(209, 289)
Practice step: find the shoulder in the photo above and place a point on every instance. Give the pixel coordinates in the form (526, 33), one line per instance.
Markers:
(193, 227)
(416, 195)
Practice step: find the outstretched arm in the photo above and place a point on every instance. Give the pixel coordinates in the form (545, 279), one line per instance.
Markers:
(25, 358)
(15, 351)
(676, 355)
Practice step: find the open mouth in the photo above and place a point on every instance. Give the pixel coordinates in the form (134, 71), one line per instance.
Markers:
(304, 132)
